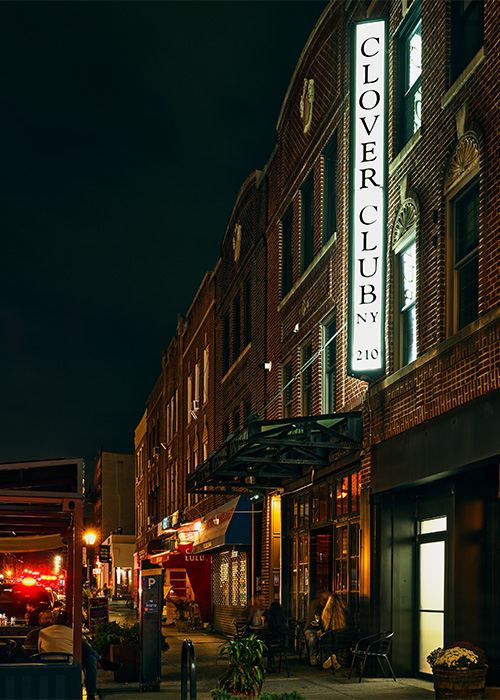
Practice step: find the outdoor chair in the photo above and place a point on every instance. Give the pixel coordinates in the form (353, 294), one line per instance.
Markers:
(275, 647)
(299, 638)
(338, 642)
(240, 629)
(376, 646)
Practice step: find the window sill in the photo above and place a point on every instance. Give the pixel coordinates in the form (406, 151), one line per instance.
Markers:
(236, 363)
(463, 78)
(405, 151)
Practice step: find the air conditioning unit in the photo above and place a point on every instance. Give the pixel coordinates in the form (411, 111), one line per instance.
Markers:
(156, 451)
(151, 521)
(195, 406)
(149, 463)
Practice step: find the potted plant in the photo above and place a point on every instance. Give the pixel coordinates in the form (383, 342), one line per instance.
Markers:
(459, 671)
(184, 608)
(121, 642)
(245, 673)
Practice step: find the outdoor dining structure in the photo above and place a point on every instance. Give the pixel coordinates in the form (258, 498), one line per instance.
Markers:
(41, 511)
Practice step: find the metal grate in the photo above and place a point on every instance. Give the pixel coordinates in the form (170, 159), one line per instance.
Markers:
(230, 578)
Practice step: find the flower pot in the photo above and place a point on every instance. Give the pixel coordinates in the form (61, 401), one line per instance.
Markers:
(128, 655)
(459, 683)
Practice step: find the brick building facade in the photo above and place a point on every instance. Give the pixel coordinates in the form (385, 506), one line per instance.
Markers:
(372, 482)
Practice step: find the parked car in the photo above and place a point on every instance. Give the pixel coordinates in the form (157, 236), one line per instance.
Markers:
(15, 596)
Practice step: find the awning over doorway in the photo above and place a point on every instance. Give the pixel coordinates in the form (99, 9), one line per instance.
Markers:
(264, 454)
(230, 524)
(199, 569)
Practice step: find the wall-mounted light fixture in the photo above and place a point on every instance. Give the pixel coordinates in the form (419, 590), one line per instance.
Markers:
(266, 365)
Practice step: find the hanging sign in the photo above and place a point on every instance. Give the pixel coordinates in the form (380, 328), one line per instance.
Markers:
(368, 201)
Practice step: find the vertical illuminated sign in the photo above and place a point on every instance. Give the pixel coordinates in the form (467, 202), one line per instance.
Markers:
(368, 200)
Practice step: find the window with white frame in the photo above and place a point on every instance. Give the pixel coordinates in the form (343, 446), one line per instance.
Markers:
(189, 397)
(206, 359)
(405, 284)
(409, 51)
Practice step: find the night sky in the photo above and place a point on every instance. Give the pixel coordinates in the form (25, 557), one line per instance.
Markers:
(127, 130)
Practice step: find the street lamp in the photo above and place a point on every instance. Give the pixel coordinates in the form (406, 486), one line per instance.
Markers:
(90, 538)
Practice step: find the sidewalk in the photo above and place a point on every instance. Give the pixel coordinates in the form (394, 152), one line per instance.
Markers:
(313, 683)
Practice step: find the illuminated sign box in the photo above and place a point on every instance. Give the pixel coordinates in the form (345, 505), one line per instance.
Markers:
(368, 200)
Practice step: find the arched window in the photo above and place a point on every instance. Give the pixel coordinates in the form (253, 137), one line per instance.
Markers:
(404, 249)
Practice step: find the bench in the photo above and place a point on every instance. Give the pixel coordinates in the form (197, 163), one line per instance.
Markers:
(41, 681)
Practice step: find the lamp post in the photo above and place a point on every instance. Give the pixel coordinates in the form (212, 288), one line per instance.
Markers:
(90, 538)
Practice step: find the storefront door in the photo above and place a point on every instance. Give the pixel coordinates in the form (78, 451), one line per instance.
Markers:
(431, 544)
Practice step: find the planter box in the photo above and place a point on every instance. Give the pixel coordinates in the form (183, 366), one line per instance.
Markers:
(459, 683)
(129, 656)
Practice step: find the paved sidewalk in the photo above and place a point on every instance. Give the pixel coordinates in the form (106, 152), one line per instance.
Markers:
(312, 682)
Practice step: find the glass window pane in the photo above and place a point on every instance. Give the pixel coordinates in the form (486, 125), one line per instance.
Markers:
(431, 636)
(431, 525)
(414, 58)
(432, 576)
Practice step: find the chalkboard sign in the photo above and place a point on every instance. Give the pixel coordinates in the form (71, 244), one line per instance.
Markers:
(98, 610)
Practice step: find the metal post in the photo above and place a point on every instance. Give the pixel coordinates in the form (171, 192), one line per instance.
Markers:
(188, 656)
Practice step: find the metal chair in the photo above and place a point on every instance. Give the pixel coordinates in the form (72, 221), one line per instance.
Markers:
(273, 649)
(375, 646)
(299, 639)
(240, 629)
(338, 642)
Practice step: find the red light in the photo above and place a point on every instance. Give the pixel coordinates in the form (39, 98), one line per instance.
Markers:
(28, 582)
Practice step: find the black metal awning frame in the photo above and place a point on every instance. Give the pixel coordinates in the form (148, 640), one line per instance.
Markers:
(264, 454)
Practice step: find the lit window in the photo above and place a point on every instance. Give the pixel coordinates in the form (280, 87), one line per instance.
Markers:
(410, 77)
(407, 297)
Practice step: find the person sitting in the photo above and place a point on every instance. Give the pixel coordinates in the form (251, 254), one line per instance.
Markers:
(334, 617)
(45, 619)
(313, 624)
(275, 631)
(32, 612)
(254, 615)
(58, 637)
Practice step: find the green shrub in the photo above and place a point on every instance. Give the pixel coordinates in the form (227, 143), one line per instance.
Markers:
(106, 633)
(245, 672)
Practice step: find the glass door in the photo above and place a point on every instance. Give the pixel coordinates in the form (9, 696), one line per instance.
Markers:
(431, 541)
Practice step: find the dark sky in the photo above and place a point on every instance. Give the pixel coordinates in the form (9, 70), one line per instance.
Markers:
(126, 132)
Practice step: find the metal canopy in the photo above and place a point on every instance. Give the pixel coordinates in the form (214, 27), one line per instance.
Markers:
(263, 454)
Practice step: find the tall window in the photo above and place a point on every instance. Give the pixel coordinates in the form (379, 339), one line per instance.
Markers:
(287, 394)
(467, 33)
(225, 343)
(407, 322)
(206, 358)
(236, 327)
(189, 397)
(286, 251)
(307, 381)
(307, 229)
(410, 75)
(330, 189)
(247, 327)
(466, 255)
(329, 366)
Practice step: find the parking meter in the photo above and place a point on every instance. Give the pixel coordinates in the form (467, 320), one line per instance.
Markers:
(151, 610)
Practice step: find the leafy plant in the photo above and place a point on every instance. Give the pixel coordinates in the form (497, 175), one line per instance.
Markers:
(107, 633)
(183, 606)
(245, 672)
(457, 655)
